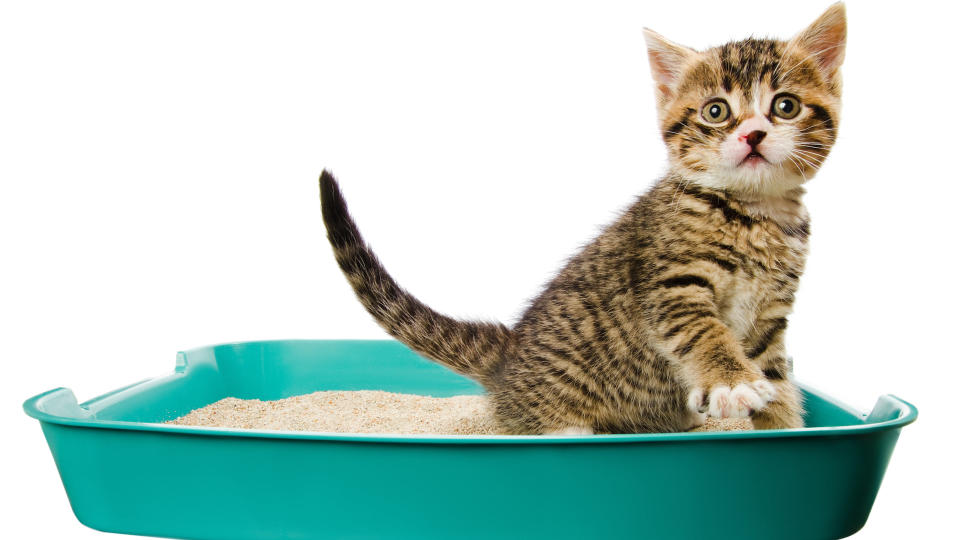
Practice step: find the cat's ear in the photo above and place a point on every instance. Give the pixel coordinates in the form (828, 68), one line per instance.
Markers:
(666, 61)
(825, 40)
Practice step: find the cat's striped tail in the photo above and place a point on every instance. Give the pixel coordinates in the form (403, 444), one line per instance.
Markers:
(471, 348)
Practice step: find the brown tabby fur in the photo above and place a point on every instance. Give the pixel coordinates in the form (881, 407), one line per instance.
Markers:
(682, 298)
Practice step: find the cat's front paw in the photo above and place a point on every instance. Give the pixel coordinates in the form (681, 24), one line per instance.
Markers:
(739, 402)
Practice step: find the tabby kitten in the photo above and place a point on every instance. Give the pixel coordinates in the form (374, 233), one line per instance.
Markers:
(678, 309)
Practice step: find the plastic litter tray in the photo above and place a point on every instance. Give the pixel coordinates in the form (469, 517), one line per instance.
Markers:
(125, 472)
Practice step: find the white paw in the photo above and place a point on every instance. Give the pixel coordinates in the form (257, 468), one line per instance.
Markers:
(766, 390)
(697, 420)
(695, 401)
(741, 401)
(570, 430)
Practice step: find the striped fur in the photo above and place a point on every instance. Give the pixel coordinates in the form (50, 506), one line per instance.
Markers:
(471, 348)
(679, 307)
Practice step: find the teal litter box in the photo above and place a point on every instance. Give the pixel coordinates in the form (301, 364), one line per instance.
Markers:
(126, 472)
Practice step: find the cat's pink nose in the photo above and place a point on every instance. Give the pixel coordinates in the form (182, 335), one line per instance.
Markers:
(754, 138)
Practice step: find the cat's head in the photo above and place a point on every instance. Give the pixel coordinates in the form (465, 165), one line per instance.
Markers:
(756, 116)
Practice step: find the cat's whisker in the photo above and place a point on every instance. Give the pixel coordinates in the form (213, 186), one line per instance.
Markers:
(821, 123)
(696, 133)
(805, 153)
(678, 193)
(817, 129)
(674, 202)
(810, 160)
(820, 131)
(809, 154)
(798, 166)
(813, 153)
(826, 131)
(807, 162)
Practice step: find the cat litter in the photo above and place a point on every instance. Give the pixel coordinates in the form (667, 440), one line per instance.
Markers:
(367, 411)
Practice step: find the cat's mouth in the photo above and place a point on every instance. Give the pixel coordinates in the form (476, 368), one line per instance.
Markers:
(754, 158)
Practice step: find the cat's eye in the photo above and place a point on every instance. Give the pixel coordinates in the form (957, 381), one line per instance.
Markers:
(785, 106)
(715, 111)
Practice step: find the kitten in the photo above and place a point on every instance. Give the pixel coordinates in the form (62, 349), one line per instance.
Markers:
(678, 309)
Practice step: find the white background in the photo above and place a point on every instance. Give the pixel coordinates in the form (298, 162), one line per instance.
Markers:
(159, 167)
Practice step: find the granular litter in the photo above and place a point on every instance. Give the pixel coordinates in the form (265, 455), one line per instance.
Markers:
(371, 411)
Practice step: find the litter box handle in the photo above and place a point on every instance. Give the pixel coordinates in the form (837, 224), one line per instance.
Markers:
(60, 404)
(890, 408)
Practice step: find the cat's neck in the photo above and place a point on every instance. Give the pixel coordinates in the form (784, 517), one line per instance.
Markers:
(786, 209)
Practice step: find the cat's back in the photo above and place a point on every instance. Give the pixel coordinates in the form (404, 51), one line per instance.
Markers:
(591, 280)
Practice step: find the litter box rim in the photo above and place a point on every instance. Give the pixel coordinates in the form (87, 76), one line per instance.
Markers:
(71, 413)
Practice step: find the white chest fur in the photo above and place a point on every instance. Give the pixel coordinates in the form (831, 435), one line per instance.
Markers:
(775, 250)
